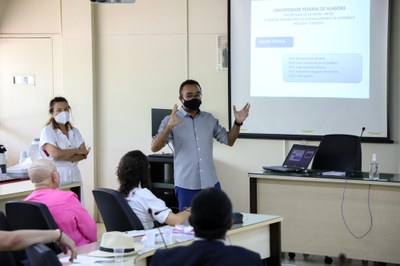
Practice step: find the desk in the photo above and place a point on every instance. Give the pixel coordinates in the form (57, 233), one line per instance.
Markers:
(311, 206)
(260, 233)
(20, 189)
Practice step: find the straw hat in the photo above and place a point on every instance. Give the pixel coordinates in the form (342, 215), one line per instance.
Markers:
(111, 240)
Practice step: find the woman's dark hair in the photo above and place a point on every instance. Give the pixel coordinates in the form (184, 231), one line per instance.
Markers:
(133, 169)
(53, 122)
(211, 214)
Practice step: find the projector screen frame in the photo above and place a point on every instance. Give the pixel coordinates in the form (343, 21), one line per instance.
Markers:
(315, 137)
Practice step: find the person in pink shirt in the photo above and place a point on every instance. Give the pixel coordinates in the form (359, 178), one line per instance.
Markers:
(67, 211)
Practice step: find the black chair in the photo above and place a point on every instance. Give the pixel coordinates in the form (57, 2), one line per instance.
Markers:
(31, 215)
(4, 225)
(40, 254)
(115, 211)
(338, 153)
(6, 257)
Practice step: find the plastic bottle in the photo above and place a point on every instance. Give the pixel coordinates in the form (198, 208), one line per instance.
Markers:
(22, 156)
(33, 150)
(374, 168)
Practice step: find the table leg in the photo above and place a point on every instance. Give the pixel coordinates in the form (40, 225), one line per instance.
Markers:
(275, 245)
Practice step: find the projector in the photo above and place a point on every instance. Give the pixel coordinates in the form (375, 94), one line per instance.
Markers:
(112, 1)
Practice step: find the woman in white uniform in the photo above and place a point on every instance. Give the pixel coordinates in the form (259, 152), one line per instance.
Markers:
(62, 143)
(133, 176)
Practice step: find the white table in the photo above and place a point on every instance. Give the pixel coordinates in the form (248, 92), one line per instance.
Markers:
(259, 232)
(311, 206)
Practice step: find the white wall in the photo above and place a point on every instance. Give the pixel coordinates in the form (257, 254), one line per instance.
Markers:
(67, 27)
(114, 62)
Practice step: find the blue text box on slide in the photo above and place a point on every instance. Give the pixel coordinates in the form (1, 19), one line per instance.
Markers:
(270, 42)
(324, 68)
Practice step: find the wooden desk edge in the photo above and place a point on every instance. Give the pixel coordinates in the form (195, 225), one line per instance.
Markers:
(321, 179)
(75, 187)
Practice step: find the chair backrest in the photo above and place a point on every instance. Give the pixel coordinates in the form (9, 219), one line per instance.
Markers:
(6, 257)
(338, 152)
(31, 215)
(4, 225)
(39, 255)
(115, 211)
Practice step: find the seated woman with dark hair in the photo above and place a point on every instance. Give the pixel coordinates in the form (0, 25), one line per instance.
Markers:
(133, 176)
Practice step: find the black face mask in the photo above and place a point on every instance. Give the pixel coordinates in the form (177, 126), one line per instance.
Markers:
(192, 104)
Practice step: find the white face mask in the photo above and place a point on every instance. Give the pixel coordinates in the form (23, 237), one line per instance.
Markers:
(62, 118)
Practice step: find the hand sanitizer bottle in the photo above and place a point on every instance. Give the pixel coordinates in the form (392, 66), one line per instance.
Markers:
(374, 168)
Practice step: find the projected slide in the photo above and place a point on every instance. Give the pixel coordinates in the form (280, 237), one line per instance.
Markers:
(310, 48)
(310, 68)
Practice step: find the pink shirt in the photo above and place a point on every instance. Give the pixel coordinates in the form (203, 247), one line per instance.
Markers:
(68, 213)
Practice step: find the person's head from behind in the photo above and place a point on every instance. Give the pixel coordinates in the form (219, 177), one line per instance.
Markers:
(43, 174)
(190, 94)
(132, 171)
(211, 214)
(59, 110)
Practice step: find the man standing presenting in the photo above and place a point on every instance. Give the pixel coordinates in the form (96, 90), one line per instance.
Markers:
(192, 131)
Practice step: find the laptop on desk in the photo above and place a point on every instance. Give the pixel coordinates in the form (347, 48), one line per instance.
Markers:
(297, 160)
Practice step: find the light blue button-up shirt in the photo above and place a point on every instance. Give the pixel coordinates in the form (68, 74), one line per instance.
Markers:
(193, 149)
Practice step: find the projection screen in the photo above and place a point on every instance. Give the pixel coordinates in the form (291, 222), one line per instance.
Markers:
(310, 68)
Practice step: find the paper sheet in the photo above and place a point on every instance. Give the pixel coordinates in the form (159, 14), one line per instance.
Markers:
(86, 260)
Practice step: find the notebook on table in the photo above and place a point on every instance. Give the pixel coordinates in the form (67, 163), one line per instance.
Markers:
(297, 160)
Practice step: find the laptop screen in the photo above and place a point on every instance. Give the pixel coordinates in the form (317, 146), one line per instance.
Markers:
(300, 156)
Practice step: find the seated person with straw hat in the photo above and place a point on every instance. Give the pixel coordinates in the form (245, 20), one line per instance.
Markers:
(68, 213)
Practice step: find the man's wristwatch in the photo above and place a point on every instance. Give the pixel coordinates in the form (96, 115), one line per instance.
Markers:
(238, 124)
